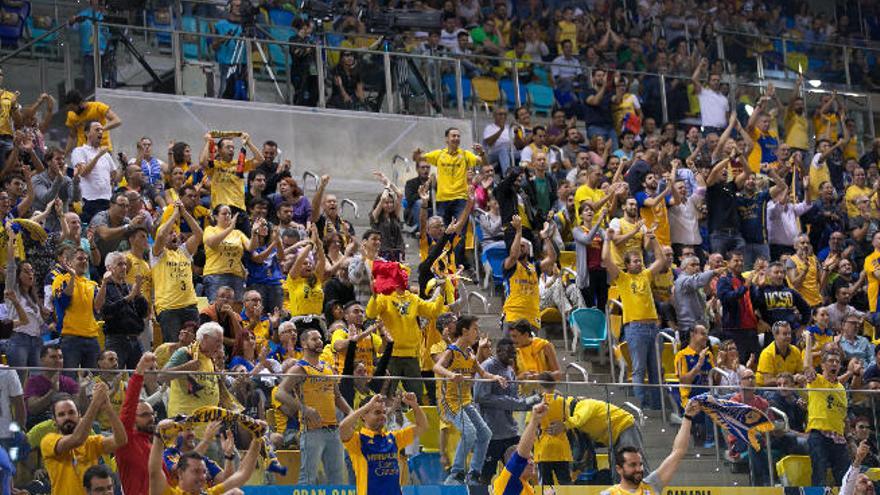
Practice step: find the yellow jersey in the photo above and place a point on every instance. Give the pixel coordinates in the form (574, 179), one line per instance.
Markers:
(772, 363)
(451, 172)
(872, 263)
(796, 134)
(367, 350)
(660, 215)
(76, 313)
(854, 192)
(826, 410)
(685, 360)
(567, 31)
(94, 110)
(173, 279)
(319, 392)
(826, 126)
(851, 148)
(305, 298)
(210, 490)
(661, 285)
(643, 489)
(592, 416)
(533, 357)
(636, 296)
(139, 266)
(375, 459)
(553, 448)
(225, 259)
(400, 313)
(509, 481)
(585, 192)
(8, 104)
(522, 298)
(200, 213)
(66, 470)
(430, 337)
(454, 396)
(196, 390)
(227, 183)
(809, 289)
(633, 244)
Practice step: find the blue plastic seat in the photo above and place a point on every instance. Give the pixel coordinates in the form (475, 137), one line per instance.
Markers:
(541, 97)
(194, 44)
(449, 86)
(591, 325)
(507, 88)
(425, 468)
(494, 258)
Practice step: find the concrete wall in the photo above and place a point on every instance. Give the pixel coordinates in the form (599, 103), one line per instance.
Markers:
(347, 145)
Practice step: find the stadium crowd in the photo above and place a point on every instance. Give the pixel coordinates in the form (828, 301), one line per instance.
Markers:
(162, 296)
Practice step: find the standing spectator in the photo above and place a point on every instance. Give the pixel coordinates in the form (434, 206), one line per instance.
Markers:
(780, 356)
(171, 262)
(71, 448)
(826, 416)
(774, 301)
(93, 163)
(752, 205)
(597, 107)
(10, 112)
(692, 366)
(86, 25)
(498, 403)
(232, 81)
(139, 420)
(123, 312)
(154, 169)
(316, 398)
(305, 280)
(12, 407)
(224, 247)
(795, 122)
(76, 301)
(639, 313)
(804, 273)
(385, 217)
(724, 219)
(81, 112)
(522, 298)
(263, 265)
(690, 297)
(738, 320)
(591, 278)
(566, 68)
(51, 184)
(498, 139)
(227, 174)
(713, 104)
(783, 224)
(360, 269)
(411, 193)
(23, 347)
(747, 395)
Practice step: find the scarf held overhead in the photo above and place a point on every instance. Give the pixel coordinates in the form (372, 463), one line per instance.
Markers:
(741, 420)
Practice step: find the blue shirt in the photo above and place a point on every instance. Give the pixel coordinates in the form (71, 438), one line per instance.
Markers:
(753, 216)
(226, 51)
(266, 273)
(86, 33)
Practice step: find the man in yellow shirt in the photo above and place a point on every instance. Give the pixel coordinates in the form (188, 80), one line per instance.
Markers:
(70, 451)
(522, 296)
(226, 173)
(857, 189)
(692, 367)
(191, 471)
(779, 356)
(640, 321)
(171, 262)
(10, 112)
(79, 112)
(592, 194)
(190, 389)
(804, 272)
(826, 415)
(76, 301)
(592, 418)
(795, 122)
(452, 164)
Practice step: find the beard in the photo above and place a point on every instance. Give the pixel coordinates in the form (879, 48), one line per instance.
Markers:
(67, 427)
(149, 429)
(635, 478)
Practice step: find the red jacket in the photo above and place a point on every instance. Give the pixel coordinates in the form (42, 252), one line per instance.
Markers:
(132, 458)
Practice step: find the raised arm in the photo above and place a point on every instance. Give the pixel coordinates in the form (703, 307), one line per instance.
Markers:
(715, 174)
(695, 77)
(607, 261)
(213, 241)
(669, 465)
(240, 477)
(515, 247)
(84, 427)
(530, 433)
(113, 121)
(158, 482)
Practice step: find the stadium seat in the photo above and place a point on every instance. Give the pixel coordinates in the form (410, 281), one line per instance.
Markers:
(430, 439)
(425, 469)
(564, 98)
(507, 87)
(486, 90)
(289, 459)
(667, 361)
(451, 91)
(161, 19)
(194, 47)
(590, 325)
(795, 470)
(541, 98)
(493, 263)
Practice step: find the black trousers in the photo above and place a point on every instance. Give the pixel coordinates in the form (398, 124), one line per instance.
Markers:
(494, 455)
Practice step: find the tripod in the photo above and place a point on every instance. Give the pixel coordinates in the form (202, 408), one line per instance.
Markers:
(249, 31)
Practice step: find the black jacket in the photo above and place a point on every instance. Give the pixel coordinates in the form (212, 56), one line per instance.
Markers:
(506, 194)
(123, 317)
(532, 192)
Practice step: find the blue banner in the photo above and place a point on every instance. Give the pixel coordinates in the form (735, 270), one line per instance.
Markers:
(350, 490)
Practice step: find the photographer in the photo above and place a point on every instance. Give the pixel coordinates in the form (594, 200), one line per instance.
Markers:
(233, 82)
(304, 72)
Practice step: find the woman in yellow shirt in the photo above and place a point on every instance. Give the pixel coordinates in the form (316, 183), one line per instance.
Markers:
(224, 247)
(305, 290)
(534, 355)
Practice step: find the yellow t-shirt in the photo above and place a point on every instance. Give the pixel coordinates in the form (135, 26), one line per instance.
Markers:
(181, 399)
(826, 125)
(851, 148)
(211, 490)
(200, 213)
(8, 102)
(818, 175)
(633, 244)
(227, 183)
(796, 134)
(305, 298)
(66, 470)
(116, 395)
(261, 329)
(826, 411)
(809, 289)
(567, 31)
(430, 337)
(532, 357)
(854, 192)
(451, 172)
(553, 448)
(319, 392)
(872, 262)
(139, 266)
(454, 396)
(173, 280)
(636, 296)
(94, 110)
(374, 458)
(772, 363)
(225, 259)
(585, 192)
(661, 286)
(592, 416)
(522, 300)
(400, 313)
(660, 215)
(76, 314)
(367, 350)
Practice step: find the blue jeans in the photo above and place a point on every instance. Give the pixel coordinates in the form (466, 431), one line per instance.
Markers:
(321, 445)
(413, 215)
(641, 337)
(752, 251)
(606, 132)
(79, 352)
(23, 350)
(214, 282)
(475, 435)
(824, 454)
(722, 242)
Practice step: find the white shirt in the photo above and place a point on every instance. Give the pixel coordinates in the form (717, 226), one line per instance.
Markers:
(782, 222)
(97, 184)
(565, 68)
(450, 40)
(684, 220)
(713, 108)
(10, 387)
(527, 152)
(503, 141)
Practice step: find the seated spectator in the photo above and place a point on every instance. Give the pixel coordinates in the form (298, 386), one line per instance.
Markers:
(780, 356)
(757, 462)
(729, 363)
(855, 346)
(861, 433)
